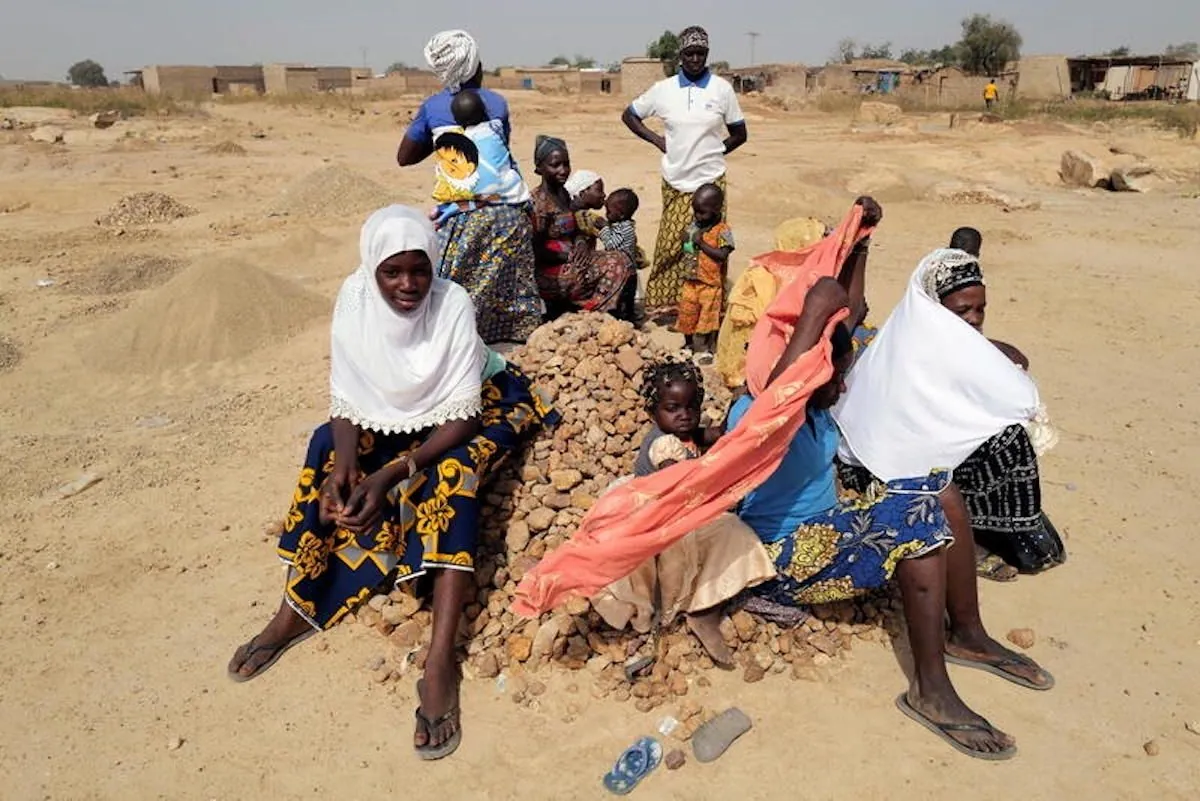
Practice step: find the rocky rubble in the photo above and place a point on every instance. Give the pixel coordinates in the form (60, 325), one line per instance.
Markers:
(593, 367)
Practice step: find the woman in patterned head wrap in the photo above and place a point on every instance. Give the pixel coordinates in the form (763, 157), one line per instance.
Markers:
(488, 248)
(703, 123)
(967, 403)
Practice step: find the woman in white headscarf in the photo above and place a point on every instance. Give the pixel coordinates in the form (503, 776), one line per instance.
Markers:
(488, 247)
(421, 412)
(933, 392)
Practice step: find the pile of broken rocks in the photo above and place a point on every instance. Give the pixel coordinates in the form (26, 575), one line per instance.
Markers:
(592, 366)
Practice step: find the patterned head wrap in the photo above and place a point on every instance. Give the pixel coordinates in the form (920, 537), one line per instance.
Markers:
(579, 181)
(693, 36)
(948, 270)
(454, 58)
(545, 145)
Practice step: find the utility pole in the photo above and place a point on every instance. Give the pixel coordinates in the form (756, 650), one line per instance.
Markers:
(753, 39)
(364, 56)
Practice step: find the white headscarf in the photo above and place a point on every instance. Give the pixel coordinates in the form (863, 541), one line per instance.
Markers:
(929, 390)
(454, 58)
(579, 181)
(393, 372)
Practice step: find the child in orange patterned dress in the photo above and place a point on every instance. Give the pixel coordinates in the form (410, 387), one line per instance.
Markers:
(708, 242)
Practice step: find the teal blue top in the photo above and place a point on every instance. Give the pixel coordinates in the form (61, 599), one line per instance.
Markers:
(494, 365)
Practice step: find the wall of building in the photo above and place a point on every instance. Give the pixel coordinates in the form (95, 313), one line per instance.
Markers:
(240, 80)
(184, 82)
(1044, 78)
(639, 74)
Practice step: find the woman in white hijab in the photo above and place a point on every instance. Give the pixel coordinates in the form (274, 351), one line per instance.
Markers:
(420, 411)
(932, 392)
(487, 248)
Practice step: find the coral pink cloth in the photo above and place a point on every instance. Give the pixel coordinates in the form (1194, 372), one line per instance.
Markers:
(630, 524)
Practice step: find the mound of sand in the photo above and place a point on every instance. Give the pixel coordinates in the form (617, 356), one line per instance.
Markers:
(332, 192)
(144, 208)
(10, 354)
(227, 148)
(129, 274)
(798, 233)
(215, 309)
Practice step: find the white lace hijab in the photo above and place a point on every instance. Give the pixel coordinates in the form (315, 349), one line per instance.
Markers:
(393, 372)
(930, 389)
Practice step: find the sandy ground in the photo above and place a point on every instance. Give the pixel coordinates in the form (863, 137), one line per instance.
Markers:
(121, 606)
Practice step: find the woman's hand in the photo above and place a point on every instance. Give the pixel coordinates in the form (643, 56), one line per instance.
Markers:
(872, 211)
(334, 493)
(363, 511)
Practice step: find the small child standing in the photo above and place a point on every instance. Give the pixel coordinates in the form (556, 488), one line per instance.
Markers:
(620, 234)
(699, 573)
(707, 243)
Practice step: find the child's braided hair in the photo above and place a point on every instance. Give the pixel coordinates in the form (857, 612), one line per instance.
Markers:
(669, 371)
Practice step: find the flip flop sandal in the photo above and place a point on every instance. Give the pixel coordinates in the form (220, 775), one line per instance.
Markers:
(714, 738)
(430, 753)
(943, 730)
(996, 668)
(433, 752)
(993, 568)
(638, 762)
(279, 648)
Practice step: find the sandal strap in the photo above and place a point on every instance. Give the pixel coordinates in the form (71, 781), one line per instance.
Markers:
(452, 713)
(964, 727)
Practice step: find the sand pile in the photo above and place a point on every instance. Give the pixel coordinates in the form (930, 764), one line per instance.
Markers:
(144, 208)
(332, 192)
(216, 309)
(593, 366)
(227, 148)
(124, 274)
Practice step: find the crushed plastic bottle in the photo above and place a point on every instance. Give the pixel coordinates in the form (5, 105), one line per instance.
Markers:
(667, 726)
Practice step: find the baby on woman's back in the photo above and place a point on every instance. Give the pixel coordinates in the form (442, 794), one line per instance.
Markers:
(474, 164)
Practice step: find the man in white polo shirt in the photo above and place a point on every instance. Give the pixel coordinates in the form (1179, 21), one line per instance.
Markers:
(702, 123)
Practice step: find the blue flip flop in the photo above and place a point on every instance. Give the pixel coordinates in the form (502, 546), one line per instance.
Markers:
(638, 762)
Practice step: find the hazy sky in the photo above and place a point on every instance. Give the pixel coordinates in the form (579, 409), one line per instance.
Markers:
(39, 39)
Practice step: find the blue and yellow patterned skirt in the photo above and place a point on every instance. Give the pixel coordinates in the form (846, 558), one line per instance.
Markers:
(854, 548)
(430, 521)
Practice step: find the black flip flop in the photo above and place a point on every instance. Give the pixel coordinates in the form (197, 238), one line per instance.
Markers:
(943, 730)
(430, 753)
(280, 648)
(996, 668)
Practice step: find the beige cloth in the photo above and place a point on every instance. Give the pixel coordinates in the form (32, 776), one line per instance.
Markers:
(708, 566)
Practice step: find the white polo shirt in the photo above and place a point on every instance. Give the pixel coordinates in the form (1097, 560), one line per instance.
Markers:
(695, 115)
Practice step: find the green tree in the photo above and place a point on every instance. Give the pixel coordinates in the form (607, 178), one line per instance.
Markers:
(87, 73)
(988, 45)
(558, 61)
(1183, 50)
(876, 51)
(666, 49)
(1118, 52)
(583, 62)
(397, 66)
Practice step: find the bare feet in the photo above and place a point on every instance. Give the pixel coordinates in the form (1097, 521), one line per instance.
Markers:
(946, 711)
(706, 626)
(284, 630)
(437, 694)
(977, 647)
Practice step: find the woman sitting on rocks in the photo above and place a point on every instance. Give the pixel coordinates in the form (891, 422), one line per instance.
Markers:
(571, 273)
(421, 413)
